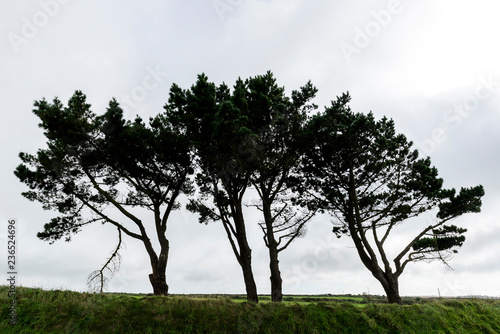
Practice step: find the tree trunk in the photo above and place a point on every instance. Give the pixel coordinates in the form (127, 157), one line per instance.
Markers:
(246, 266)
(390, 284)
(393, 297)
(158, 277)
(392, 291)
(245, 252)
(159, 266)
(158, 281)
(276, 281)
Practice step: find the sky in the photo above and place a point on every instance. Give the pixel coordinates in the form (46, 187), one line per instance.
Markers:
(432, 66)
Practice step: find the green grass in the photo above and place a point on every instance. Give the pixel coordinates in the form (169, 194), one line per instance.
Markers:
(357, 301)
(56, 311)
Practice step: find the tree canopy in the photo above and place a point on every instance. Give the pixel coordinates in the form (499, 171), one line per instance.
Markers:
(95, 166)
(251, 139)
(371, 180)
(215, 123)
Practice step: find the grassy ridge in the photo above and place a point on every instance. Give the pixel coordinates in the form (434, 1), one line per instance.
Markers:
(56, 311)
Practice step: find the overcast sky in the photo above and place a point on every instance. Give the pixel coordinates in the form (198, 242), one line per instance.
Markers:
(432, 66)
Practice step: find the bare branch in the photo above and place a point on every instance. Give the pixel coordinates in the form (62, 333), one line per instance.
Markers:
(97, 280)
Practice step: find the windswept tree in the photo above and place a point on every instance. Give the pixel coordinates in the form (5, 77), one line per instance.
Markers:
(371, 181)
(274, 146)
(100, 168)
(247, 137)
(215, 126)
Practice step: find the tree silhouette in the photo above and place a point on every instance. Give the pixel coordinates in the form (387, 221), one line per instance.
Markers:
(371, 181)
(274, 146)
(99, 168)
(215, 129)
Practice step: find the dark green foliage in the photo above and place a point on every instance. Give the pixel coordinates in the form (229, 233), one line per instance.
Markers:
(53, 181)
(467, 200)
(215, 123)
(93, 163)
(276, 139)
(371, 180)
(89, 155)
(443, 238)
(354, 151)
(251, 135)
(357, 168)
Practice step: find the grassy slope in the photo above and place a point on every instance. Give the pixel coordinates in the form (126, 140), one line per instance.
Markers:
(42, 311)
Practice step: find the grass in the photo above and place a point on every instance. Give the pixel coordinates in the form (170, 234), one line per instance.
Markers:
(303, 299)
(55, 311)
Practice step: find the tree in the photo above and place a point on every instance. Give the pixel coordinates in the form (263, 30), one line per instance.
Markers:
(97, 280)
(273, 143)
(96, 168)
(214, 125)
(242, 138)
(371, 181)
